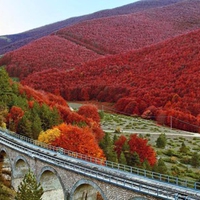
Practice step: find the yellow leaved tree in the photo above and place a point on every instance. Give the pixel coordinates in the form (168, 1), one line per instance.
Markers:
(49, 135)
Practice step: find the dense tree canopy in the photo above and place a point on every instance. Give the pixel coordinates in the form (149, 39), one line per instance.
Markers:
(73, 138)
(135, 149)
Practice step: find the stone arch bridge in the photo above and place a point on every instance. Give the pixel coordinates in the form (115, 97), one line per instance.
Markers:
(68, 176)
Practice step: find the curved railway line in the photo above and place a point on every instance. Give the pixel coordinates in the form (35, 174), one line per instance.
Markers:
(106, 171)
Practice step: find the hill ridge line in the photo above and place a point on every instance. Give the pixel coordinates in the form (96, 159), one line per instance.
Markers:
(86, 44)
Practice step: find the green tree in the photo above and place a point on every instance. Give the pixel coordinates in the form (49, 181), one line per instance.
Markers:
(19, 101)
(49, 117)
(133, 159)
(161, 141)
(15, 88)
(36, 127)
(146, 165)
(105, 142)
(29, 189)
(107, 146)
(195, 160)
(183, 149)
(24, 126)
(125, 147)
(4, 195)
(111, 154)
(114, 138)
(122, 158)
(161, 167)
(3, 114)
(5, 87)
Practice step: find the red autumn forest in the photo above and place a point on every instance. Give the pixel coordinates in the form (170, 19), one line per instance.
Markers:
(151, 82)
(138, 29)
(143, 58)
(12, 42)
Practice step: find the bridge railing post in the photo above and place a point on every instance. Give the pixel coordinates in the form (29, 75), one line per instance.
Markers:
(195, 185)
(145, 172)
(60, 150)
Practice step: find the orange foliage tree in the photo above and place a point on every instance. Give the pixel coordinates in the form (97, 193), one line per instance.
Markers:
(79, 140)
(89, 111)
(92, 119)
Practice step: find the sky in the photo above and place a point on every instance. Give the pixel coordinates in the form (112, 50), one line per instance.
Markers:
(17, 16)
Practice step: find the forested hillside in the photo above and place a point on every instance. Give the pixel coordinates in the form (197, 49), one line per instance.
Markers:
(44, 116)
(154, 81)
(45, 53)
(47, 118)
(72, 46)
(143, 57)
(12, 42)
(133, 31)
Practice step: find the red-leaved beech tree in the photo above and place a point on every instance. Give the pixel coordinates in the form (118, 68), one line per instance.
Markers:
(13, 117)
(181, 120)
(135, 145)
(141, 147)
(119, 145)
(79, 140)
(89, 111)
(42, 96)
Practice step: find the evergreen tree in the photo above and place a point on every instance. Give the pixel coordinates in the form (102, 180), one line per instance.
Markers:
(3, 113)
(133, 159)
(161, 167)
(107, 146)
(44, 116)
(36, 127)
(29, 189)
(195, 160)
(49, 117)
(125, 147)
(114, 138)
(19, 101)
(111, 154)
(161, 141)
(146, 165)
(24, 126)
(122, 158)
(183, 149)
(15, 89)
(5, 87)
(105, 142)
(4, 195)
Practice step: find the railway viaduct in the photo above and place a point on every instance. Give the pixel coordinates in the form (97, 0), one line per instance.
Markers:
(68, 176)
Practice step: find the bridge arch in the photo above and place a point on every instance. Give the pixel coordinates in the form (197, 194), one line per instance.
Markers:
(20, 168)
(86, 189)
(52, 184)
(6, 168)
